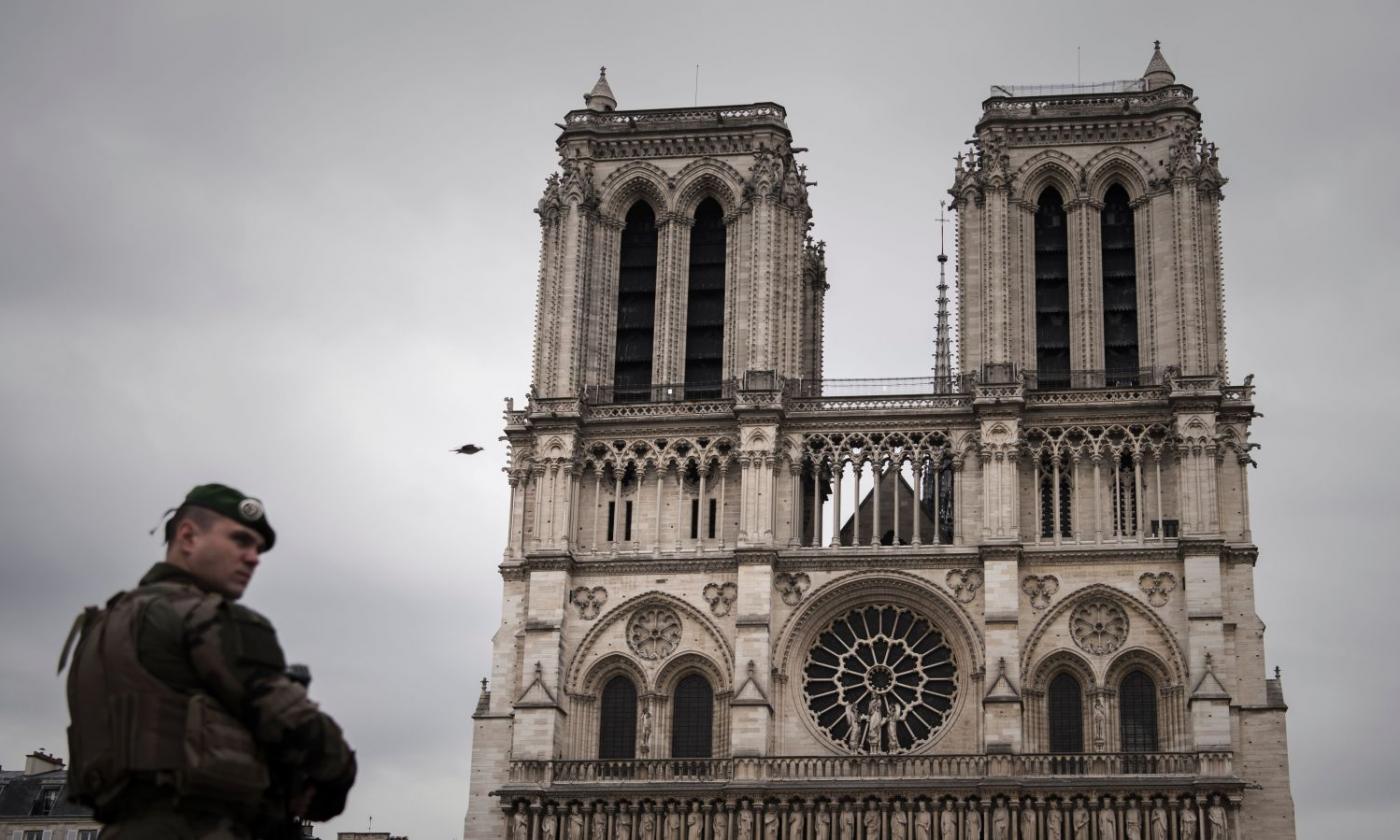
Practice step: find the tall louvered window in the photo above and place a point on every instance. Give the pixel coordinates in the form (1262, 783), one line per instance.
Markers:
(636, 306)
(1048, 498)
(704, 320)
(617, 724)
(1066, 713)
(1120, 320)
(692, 722)
(1051, 292)
(1137, 713)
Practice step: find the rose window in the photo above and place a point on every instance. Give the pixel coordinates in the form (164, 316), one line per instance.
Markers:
(1099, 627)
(654, 633)
(880, 679)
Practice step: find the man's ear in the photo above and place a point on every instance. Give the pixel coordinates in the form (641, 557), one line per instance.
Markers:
(182, 541)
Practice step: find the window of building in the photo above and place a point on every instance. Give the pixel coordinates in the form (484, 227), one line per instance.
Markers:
(693, 722)
(1120, 327)
(1124, 495)
(704, 319)
(1066, 714)
(44, 802)
(1051, 292)
(1137, 713)
(636, 306)
(713, 506)
(694, 518)
(612, 520)
(617, 724)
(1048, 498)
(87, 834)
(627, 521)
(34, 834)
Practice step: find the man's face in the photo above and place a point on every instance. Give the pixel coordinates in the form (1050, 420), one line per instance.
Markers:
(223, 555)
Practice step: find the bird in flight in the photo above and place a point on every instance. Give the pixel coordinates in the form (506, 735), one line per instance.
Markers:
(468, 449)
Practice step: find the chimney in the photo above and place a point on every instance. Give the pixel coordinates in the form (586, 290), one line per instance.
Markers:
(41, 762)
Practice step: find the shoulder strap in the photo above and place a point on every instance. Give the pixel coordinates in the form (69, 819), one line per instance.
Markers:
(79, 625)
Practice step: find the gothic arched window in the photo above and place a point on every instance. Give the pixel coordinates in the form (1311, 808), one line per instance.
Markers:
(692, 719)
(1051, 292)
(636, 306)
(617, 719)
(1066, 714)
(1123, 493)
(1137, 713)
(1048, 498)
(1120, 321)
(704, 318)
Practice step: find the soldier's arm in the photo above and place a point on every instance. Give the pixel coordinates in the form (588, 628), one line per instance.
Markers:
(235, 652)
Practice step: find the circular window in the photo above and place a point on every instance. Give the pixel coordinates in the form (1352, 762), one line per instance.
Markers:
(880, 679)
(1099, 626)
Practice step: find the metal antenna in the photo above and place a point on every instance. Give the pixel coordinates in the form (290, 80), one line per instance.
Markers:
(942, 353)
(697, 85)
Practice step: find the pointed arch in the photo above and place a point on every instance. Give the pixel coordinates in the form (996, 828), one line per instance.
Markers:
(1118, 164)
(588, 653)
(635, 181)
(1172, 655)
(707, 277)
(707, 177)
(1045, 169)
(1052, 315)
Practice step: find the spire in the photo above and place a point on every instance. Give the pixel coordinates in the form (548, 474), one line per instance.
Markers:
(601, 97)
(942, 354)
(1158, 73)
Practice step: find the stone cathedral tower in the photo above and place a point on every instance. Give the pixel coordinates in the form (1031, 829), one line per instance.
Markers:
(744, 602)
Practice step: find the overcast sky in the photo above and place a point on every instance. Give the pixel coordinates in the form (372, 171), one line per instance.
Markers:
(289, 247)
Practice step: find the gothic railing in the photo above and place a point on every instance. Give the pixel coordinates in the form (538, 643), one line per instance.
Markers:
(658, 392)
(858, 767)
(759, 113)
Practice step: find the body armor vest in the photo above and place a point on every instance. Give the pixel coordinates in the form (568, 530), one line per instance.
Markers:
(128, 725)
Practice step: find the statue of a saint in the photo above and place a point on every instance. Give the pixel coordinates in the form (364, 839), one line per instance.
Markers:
(1028, 820)
(574, 828)
(1219, 826)
(899, 826)
(719, 827)
(794, 821)
(874, 718)
(821, 824)
(671, 825)
(647, 829)
(547, 825)
(745, 831)
(520, 825)
(1132, 823)
(853, 736)
(1159, 822)
(896, 714)
(973, 824)
(1100, 724)
(644, 731)
(871, 818)
(770, 823)
(598, 825)
(694, 825)
(923, 823)
(848, 822)
(1001, 822)
(1188, 821)
(948, 823)
(623, 826)
(1108, 824)
(1054, 822)
(1080, 820)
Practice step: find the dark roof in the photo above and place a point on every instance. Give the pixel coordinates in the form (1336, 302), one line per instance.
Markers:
(19, 793)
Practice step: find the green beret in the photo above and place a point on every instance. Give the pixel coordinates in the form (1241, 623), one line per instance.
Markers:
(228, 502)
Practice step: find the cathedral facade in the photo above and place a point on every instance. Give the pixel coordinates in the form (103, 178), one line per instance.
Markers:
(1011, 600)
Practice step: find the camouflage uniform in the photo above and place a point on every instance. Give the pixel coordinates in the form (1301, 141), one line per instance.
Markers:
(246, 738)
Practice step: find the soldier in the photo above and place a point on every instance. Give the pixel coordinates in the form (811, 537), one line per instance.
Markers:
(186, 723)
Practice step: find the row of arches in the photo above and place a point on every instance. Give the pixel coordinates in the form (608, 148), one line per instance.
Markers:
(625, 720)
(1118, 267)
(636, 304)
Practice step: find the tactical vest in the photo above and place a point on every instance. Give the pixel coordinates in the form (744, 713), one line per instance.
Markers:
(128, 725)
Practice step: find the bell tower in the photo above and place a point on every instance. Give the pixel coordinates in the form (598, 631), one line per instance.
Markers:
(674, 254)
(1089, 234)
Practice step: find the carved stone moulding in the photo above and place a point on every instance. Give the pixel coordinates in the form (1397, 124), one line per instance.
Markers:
(1157, 587)
(1099, 626)
(721, 597)
(654, 632)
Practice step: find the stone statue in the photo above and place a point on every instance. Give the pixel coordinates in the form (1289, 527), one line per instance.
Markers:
(1100, 724)
(1080, 820)
(1188, 821)
(1159, 823)
(547, 828)
(848, 822)
(770, 823)
(897, 713)
(623, 826)
(1028, 820)
(899, 825)
(795, 819)
(821, 825)
(1001, 823)
(648, 827)
(1215, 815)
(1108, 825)
(1054, 823)
(520, 825)
(948, 823)
(671, 825)
(598, 827)
(1132, 823)
(923, 824)
(874, 718)
(644, 731)
(694, 825)
(973, 824)
(745, 823)
(719, 829)
(871, 818)
(853, 737)
(574, 829)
